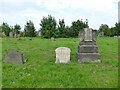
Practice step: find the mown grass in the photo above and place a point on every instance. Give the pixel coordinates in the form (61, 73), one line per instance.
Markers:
(40, 71)
(0, 63)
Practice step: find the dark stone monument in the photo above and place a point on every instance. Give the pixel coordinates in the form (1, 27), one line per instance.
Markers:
(87, 48)
(13, 56)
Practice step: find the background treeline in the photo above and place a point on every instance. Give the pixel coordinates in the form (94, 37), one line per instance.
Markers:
(113, 31)
(49, 28)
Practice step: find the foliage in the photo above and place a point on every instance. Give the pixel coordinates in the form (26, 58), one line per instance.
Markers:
(76, 27)
(113, 31)
(6, 29)
(48, 27)
(21, 34)
(29, 29)
(117, 29)
(105, 28)
(17, 29)
(62, 29)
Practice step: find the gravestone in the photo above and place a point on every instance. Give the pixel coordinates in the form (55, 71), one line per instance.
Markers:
(102, 34)
(3, 34)
(62, 55)
(11, 34)
(13, 56)
(87, 48)
(39, 33)
(118, 37)
(15, 36)
(52, 38)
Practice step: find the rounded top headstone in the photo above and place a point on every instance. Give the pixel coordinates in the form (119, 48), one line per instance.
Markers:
(60, 48)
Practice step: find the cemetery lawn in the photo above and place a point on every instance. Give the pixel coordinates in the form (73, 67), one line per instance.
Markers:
(40, 71)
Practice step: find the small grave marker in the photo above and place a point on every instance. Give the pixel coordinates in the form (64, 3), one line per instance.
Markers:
(13, 56)
(62, 55)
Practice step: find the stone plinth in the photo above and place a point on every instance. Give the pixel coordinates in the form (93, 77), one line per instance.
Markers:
(87, 48)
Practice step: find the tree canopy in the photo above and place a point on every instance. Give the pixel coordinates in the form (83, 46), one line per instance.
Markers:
(48, 27)
(29, 29)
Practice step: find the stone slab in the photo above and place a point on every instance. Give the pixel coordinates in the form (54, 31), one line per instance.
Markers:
(88, 57)
(13, 56)
(87, 48)
(88, 34)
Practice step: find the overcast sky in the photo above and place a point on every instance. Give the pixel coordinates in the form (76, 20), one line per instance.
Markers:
(96, 11)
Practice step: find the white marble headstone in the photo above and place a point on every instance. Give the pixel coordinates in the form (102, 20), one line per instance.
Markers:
(62, 55)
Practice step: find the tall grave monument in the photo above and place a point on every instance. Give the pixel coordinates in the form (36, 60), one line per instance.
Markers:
(87, 48)
(119, 12)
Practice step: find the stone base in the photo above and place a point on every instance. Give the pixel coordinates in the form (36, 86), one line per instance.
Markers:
(88, 49)
(88, 57)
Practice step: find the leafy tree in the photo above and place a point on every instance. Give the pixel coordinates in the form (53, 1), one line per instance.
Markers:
(48, 27)
(17, 29)
(62, 28)
(105, 28)
(21, 34)
(76, 27)
(6, 29)
(29, 29)
(117, 29)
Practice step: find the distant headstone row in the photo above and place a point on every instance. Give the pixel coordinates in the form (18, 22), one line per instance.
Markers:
(11, 35)
(87, 50)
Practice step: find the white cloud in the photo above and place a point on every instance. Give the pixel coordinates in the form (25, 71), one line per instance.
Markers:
(96, 11)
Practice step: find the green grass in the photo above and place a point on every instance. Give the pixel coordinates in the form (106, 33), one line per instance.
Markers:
(0, 63)
(40, 71)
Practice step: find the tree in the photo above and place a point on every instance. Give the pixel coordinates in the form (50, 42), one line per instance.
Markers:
(17, 29)
(76, 27)
(6, 29)
(105, 28)
(117, 29)
(62, 28)
(48, 27)
(29, 29)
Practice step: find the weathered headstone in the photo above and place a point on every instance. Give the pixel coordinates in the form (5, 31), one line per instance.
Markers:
(62, 55)
(119, 37)
(87, 48)
(11, 34)
(39, 33)
(102, 34)
(3, 33)
(52, 38)
(13, 56)
(15, 35)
